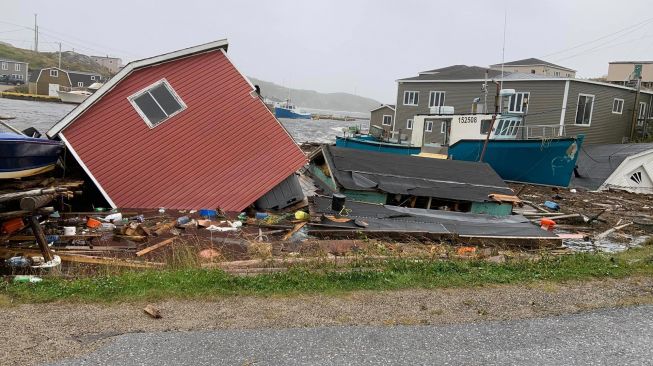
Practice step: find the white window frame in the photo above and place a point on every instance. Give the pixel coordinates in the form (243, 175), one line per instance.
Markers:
(17, 67)
(409, 124)
(443, 127)
(641, 116)
(619, 110)
(383, 120)
(132, 98)
(92, 77)
(433, 95)
(521, 105)
(54, 73)
(5, 66)
(589, 123)
(428, 126)
(414, 101)
(80, 84)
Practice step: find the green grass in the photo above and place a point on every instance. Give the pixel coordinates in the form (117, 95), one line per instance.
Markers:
(390, 275)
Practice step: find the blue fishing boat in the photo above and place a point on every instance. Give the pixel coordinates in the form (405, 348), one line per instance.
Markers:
(370, 143)
(545, 162)
(23, 156)
(287, 110)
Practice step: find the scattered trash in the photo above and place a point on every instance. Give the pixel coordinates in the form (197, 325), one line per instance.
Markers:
(261, 215)
(466, 250)
(301, 215)
(552, 205)
(183, 220)
(547, 223)
(152, 311)
(55, 262)
(162, 210)
(209, 254)
(209, 214)
(113, 217)
(13, 225)
(27, 279)
(18, 262)
(93, 223)
(69, 230)
(573, 190)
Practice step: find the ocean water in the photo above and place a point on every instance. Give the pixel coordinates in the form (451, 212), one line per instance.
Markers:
(43, 115)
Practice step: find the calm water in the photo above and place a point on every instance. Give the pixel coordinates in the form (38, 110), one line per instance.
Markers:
(42, 116)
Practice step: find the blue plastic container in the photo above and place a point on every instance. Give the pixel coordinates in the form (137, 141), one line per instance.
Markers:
(209, 214)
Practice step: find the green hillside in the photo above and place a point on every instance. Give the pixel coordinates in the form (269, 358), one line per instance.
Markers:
(39, 60)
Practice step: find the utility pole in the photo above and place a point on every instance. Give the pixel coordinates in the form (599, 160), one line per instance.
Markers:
(635, 109)
(59, 54)
(36, 34)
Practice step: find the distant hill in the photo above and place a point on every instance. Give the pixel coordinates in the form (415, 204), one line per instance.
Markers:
(313, 99)
(38, 60)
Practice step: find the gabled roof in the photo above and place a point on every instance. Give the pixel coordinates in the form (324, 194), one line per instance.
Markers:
(391, 106)
(34, 75)
(444, 69)
(457, 72)
(397, 174)
(125, 71)
(532, 62)
(597, 162)
(631, 62)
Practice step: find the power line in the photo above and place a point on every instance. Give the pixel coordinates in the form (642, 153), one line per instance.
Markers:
(602, 47)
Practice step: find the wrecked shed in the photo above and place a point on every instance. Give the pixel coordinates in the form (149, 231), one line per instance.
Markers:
(411, 181)
(183, 130)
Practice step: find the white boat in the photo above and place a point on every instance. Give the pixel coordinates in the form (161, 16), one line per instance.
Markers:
(74, 96)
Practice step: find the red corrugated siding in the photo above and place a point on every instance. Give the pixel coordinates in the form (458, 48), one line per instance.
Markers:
(225, 150)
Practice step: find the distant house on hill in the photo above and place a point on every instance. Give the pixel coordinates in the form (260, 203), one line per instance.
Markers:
(537, 67)
(16, 70)
(50, 80)
(114, 64)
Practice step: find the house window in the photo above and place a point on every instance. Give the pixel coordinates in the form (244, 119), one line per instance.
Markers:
(443, 127)
(5, 66)
(519, 102)
(436, 99)
(411, 97)
(642, 114)
(617, 106)
(54, 73)
(80, 84)
(387, 120)
(429, 126)
(157, 103)
(584, 109)
(532, 71)
(557, 73)
(16, 67)
(409, 124)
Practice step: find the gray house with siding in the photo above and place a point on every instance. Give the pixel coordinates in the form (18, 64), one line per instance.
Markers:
(602, 112)
(383, 116)
(15, 69)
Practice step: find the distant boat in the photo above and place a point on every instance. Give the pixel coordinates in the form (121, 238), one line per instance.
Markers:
(287, 110)
(24, 156)
(374, 141)
(77, 96)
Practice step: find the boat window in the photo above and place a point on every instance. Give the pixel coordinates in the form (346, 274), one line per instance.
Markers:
(387, 120)
(157, 103)
(584, 109)
(485, 125)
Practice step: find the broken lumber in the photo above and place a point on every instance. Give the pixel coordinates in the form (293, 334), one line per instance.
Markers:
(163, 228)
(294, 230)
(154, 247)
(604, 234)
(86, 259)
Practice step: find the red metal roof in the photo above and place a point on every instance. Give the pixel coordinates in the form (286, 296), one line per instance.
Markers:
(225, 150)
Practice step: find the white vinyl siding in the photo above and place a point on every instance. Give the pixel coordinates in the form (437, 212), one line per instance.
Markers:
(429, 126)
(54, 73)
(387, 120)
(617, 106)
(157, 103)
(409, 124)
(411, 97)
(584, 109)
(519, 102)
(436, 98)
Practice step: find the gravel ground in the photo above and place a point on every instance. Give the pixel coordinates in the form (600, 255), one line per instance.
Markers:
(37, 333)
(609, 337)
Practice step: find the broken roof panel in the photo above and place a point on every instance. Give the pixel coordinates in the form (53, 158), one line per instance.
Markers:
(397, 174)
(597, 162)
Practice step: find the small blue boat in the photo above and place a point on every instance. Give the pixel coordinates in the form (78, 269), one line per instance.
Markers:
(287, 110)
(24, 156)
(370, 143)
(545, 162)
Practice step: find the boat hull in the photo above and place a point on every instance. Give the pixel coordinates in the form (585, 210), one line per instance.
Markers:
(370, 145)
(287, 113)
(543, 162)
(22, 156)
(73, 98)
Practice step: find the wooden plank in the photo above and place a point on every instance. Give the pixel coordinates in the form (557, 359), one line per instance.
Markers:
(155, 247)
(61, 237)
(294, 230)
(86, 259)
(40, 238)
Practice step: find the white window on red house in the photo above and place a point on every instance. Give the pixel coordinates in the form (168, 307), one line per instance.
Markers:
(157, 103)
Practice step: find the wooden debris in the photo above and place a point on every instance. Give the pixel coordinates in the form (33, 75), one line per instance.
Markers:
(154, 247)
(163, 228)
(604, 234)
(152, 311)
(294, 230)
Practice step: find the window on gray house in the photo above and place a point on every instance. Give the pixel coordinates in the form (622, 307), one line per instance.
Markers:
(387, 120)
(157, 103)
(409, 124)
(436, 98)
(584, 109)
(411, 98)
(429, 126)
(617, 106)
(519, 102)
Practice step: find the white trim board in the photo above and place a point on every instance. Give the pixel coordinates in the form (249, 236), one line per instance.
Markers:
(522, 80)
(382, 106)
(87, 170)
(134, 65)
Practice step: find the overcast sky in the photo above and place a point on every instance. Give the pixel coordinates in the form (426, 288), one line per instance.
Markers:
(351, 46)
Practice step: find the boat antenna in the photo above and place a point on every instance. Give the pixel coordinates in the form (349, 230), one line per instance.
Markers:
(503, 51)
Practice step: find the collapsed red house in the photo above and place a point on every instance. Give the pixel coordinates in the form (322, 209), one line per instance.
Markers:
(183, 130)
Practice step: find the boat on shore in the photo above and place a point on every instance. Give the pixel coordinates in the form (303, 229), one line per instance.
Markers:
(375, 140)
(24, 156)
(77, 96)
(290, 111)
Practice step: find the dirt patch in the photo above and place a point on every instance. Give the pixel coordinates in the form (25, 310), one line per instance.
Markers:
(38, 333)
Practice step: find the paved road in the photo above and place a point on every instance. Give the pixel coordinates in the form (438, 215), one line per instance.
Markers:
(608, 337)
